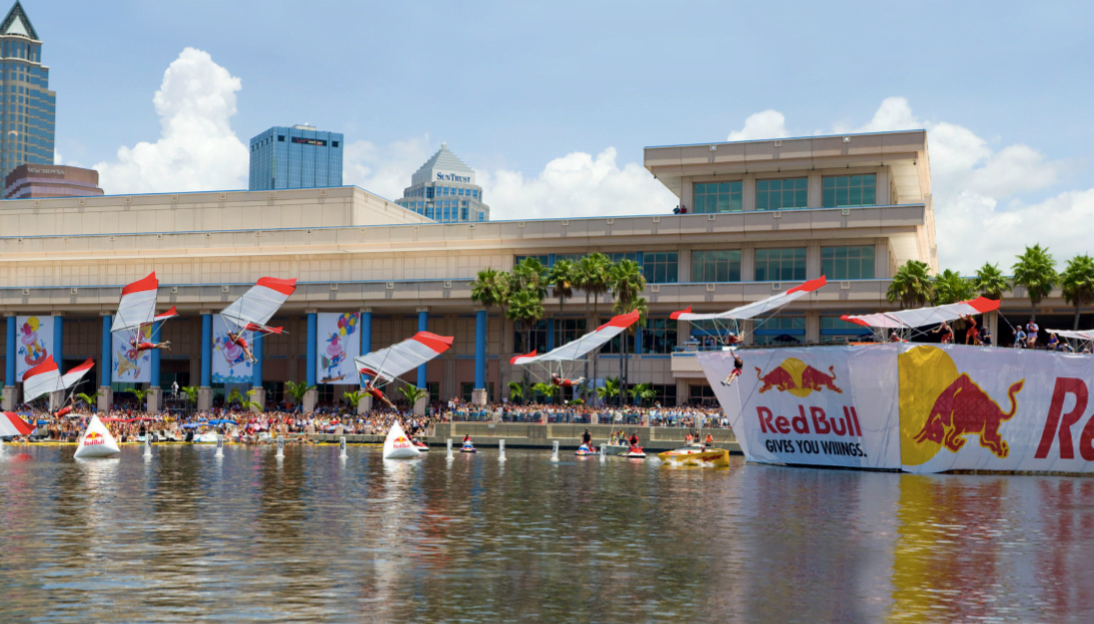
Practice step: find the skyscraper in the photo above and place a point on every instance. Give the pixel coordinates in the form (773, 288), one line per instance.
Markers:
(28, 111)
(296, 157)
(444, 190)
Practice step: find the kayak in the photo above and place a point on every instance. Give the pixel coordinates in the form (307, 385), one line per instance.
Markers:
(696, 456)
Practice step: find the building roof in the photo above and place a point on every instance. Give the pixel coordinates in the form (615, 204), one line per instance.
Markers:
(17, 23)
(443, 161)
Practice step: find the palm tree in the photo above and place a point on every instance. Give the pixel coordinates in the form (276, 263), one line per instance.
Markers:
(412, 394)
(594, 275)
(628, 283)
(1036, 270)
(643, 393)
(950, 287)
(609, 390)
(353, 397)
(250, 403)
(88, 399)
(563, 277)
(530, 274)
(516, 392)
(491, 289)
(526, 308)
(235, 397)
(989, 281)
(191, 393)
(911, 285)
(137, 392)
(548, 390)
(297, 390)
(1077, 282)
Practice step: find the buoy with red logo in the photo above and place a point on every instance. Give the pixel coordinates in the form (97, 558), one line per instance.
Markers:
(97, 442)
(397, 445)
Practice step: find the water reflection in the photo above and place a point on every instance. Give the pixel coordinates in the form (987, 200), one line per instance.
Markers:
(311, 537)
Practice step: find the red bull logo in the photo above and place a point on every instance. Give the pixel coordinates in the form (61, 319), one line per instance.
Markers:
(94, 438)
(798, 378)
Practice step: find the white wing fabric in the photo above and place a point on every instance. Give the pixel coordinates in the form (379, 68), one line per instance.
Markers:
(46, 378)
(577, 349)
(755, 309)
(388, 363)
(138, 304)
(257, 306)
(1086, 334)
(908, 319)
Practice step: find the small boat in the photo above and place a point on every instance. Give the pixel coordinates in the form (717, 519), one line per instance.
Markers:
(614, 450)
(398, 446)
(468, 447)
(585, 450)
(421, 446)
(208, 437)
(635, 452)
(696, 456)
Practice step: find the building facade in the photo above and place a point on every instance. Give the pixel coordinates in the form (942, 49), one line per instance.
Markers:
(28, 109)
(33, 181)
(295, 158)
(866, 210)
(444, 190)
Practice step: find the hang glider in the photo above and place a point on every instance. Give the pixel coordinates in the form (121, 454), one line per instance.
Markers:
(911, 319)
(257, 306)
(387, 364)
(1085, 334)
(577, 349)
(137, 307)
(754, 309)
(12, 425)
(47, 377)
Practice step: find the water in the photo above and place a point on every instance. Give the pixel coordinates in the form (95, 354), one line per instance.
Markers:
(312, 538)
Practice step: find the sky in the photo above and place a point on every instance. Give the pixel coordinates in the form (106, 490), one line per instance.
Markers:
(552, 103)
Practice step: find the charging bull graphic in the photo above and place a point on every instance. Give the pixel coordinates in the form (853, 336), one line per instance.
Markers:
(965, 409)
(797, 378)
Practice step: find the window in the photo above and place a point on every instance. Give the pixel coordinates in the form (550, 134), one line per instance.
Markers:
(630, 255)
(836, 330)
(779, 330)
(482, 216)
(701, 395)
(847, 263)
(281, 138)
(334, 143)
(659, 336)
(716, 265)
(781, 194)
(780, 265)
(542, 259)
(717, 196)
(856, 190)
(664, 394)
(660, 267)
(568, 330)
(469, 386)
(537, 338)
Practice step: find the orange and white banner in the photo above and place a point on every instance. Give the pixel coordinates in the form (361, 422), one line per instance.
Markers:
(920, 408)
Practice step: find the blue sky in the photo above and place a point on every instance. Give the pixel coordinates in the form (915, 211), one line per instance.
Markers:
(552, 102)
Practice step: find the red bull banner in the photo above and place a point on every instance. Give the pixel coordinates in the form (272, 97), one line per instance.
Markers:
(920, 408)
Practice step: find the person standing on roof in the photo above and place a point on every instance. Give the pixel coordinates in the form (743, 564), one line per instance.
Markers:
(1031, 334)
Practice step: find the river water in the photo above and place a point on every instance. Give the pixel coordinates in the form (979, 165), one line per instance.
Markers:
(311, 538)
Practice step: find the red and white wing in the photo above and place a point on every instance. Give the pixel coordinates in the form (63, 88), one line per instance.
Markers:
(138, 304)
(755, 309)
(577, 349)
(388, 363)
(903, 319)
(12, 425)
(258, 305)
(41, 379)
(170, 314)
(76, 373)
(1085, 334)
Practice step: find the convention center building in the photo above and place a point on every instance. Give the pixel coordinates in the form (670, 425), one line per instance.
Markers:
(758, 217)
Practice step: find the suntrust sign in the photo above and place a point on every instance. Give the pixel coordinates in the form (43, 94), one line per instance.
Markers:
(452, 177)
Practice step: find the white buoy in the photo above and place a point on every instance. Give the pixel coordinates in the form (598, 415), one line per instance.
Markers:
(450, 449)
(554, 453)
(501, 450)
(602, 453)
(342, 447)
(220, 445)
(280, 446)
(148, 446)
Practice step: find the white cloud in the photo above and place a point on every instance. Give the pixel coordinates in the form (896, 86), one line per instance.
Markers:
(386, 170)
(768, 124)
(197, 149)
(57, 160)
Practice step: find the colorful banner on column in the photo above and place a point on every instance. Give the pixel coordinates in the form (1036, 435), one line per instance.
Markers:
(339, 341)
(920, 408)
(230, 361)
(128, 365)
(34, 342)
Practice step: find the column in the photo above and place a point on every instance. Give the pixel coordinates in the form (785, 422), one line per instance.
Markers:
(205, 390)
(365, 404)
(9, 366)
(59, 341)
(550, 335)
(423, 325)
(478, 395)
(106, 365)
(258, 395)
(312, 395)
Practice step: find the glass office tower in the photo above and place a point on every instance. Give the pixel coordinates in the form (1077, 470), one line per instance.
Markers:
(296, 157)
(444, 190)
(29, 108)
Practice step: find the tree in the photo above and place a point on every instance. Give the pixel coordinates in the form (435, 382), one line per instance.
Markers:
(526, 308)
(88, 399)
(191, 393)
(643, 393)
(235, 397)
(516, 391)
(562, 277)
(353, 397)
(911, 285)
(950, 287)
(548, 390)
(609, 390)
(413, 394)
(627, 284)
(137, 392)
(297, 390)
(593, 277)
(529, 274)
(989, 281)
(1036, 271)
(491, 290)
(250, 403)
(1077, 282)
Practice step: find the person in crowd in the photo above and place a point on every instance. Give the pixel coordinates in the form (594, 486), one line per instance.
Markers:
(1019, 338)
(1031, 334)
(972, 334)
(946, 331)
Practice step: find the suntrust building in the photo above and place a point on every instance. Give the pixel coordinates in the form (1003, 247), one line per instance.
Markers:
(763, 215)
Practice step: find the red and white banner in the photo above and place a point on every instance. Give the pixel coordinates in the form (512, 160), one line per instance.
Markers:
(920, 408)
